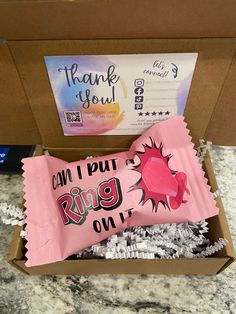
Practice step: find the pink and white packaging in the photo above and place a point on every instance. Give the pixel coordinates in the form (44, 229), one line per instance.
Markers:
(71, 206)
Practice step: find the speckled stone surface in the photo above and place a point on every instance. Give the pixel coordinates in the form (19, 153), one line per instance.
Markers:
(121, 293)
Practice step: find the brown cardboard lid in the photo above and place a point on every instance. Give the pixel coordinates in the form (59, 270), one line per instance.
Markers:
(212, 74)
(17, 123)
(83, 19)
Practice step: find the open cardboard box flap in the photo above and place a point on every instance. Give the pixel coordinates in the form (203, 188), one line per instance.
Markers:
(18, 126)
(206, 27)
(90, 19)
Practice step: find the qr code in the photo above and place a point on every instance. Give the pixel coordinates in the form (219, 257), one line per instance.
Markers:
(73, 116)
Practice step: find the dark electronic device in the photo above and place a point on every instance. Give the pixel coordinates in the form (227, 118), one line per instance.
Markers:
(11, 155)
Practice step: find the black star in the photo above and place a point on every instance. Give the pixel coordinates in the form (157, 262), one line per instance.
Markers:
(154, 113)
(160, 113)
(147, 114)
(167, 113)
(140, 113)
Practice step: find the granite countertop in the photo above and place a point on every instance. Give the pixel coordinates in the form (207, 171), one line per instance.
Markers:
(121, 293)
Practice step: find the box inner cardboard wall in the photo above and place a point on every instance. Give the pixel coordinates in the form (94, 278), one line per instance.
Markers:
(202, 114)
(210, 105)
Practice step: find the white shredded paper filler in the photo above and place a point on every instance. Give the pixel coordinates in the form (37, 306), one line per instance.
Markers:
(168, 241)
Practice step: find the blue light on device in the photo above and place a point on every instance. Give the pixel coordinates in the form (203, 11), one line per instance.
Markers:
(3, 154)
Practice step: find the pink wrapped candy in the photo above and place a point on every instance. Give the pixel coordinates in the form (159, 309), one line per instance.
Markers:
(71, 206)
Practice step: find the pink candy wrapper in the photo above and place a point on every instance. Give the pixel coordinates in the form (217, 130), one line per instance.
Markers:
(71, 206)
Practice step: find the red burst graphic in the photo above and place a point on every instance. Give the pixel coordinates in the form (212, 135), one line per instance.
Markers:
(158, 182)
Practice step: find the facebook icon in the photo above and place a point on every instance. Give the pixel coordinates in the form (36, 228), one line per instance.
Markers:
(139, 91)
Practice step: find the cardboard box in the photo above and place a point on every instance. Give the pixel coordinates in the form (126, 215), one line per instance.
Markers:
(92, 27)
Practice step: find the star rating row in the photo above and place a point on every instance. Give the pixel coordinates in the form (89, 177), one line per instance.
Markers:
(154, 113)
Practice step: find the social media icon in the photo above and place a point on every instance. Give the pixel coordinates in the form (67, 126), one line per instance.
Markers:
(138, 106)
(138, 98)
(139, 82)
(139, 90)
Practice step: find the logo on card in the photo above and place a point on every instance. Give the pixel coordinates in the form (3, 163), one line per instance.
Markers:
(139, 82)
(139, 91)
